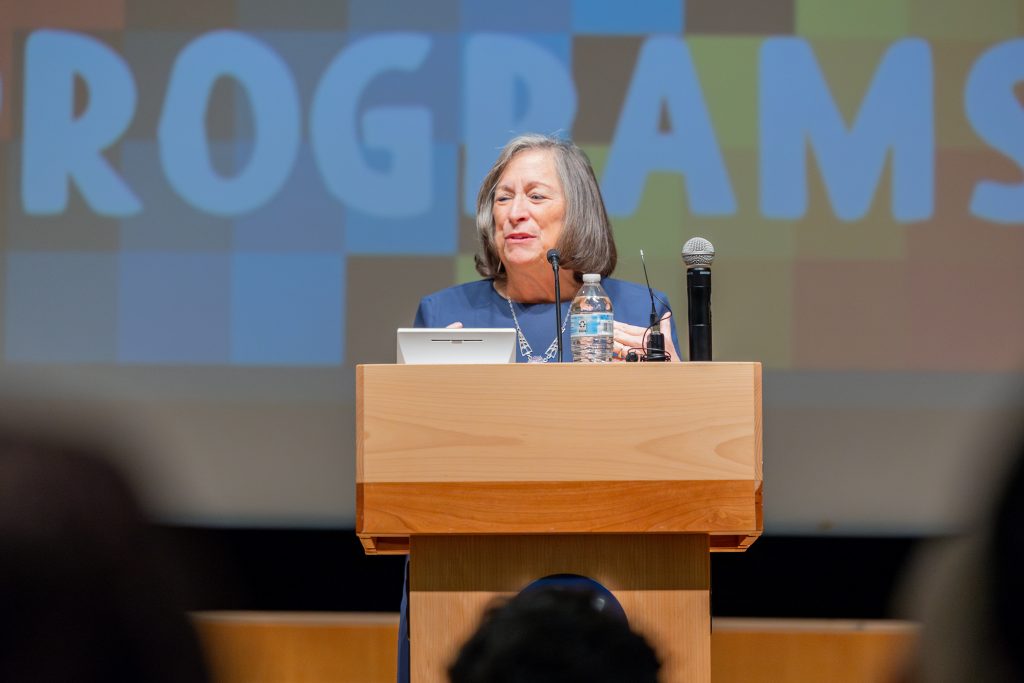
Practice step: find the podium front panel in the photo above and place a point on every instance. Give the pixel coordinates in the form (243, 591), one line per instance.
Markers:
(570, 448)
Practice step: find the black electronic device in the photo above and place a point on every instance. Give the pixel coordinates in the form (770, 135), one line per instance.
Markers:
(654, 340)
(553, 257)
(698, 254)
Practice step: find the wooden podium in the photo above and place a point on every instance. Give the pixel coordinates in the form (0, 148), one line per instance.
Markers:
(492, 476)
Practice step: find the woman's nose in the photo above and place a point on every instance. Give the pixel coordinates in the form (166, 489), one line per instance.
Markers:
(519, 210)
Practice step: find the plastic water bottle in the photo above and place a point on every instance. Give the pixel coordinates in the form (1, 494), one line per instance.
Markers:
(590, 319)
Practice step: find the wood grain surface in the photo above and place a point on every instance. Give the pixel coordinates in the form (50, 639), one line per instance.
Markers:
(678, 421)
(271, 647)
(499, 475)
(661, 580)
(726, 507)
(529, 449)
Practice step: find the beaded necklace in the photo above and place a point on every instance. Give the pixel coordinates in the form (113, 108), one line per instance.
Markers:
(524, 346)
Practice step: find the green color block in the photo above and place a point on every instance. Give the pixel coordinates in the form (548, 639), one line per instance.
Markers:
(849, 67)
(598, 155)
(820, 235)
(465, 269)
(959, 20)
(728, 71)
(845, 19)
(663, 220)
(746, 234)
(657, 225)
(752, 308)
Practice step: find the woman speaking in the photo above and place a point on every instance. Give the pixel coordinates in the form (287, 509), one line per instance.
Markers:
(541, 194)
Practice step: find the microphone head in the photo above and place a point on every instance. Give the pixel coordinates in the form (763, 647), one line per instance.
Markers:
(553, 256)
(698, 252)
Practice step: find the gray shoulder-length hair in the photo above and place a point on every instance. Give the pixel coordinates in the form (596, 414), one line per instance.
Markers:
(586, 243)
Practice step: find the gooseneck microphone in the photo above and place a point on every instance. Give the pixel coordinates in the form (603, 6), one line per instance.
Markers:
(698, 254)
(553, 257)
(655, 346)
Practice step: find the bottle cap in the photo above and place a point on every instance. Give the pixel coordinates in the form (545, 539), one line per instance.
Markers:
(592, 277)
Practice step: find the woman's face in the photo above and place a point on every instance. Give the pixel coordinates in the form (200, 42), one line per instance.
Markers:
(528, 209)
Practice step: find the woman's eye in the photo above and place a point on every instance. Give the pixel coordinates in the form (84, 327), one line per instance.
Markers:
(536, 196)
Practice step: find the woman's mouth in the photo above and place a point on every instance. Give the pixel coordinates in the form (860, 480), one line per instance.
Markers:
(519, 237)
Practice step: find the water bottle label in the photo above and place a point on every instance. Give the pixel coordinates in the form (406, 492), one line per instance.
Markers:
(591, 324)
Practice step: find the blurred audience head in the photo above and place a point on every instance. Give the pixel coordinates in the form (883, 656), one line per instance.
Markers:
(86, 595)
(968, 593)
(1006, 559)
(555, 634)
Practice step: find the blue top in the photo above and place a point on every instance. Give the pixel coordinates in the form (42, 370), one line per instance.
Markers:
(477, 304)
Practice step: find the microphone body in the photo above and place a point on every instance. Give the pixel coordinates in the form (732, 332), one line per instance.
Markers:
(698, 255)
(553, 257)
(698, 294)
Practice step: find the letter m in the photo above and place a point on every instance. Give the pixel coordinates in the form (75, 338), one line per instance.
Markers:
(896, 114)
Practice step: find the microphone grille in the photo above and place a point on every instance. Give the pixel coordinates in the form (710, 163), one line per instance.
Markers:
(698, 252)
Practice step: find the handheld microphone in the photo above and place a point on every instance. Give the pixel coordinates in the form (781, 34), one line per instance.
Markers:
(698, 254)
(655, 339)
(553, 257)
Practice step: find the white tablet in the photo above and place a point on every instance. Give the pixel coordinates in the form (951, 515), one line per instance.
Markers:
(436, 346)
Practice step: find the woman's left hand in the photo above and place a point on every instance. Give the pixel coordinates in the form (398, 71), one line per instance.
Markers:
(632, 337)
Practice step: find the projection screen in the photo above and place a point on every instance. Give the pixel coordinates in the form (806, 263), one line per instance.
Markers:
(212, 211)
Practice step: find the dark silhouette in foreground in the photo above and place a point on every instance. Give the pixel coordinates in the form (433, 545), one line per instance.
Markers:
(555, 634)
(86, 595)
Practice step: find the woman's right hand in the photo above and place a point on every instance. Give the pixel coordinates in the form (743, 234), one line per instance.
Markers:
(454, 325)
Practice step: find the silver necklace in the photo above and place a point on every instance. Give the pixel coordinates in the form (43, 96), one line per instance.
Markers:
(524, 346)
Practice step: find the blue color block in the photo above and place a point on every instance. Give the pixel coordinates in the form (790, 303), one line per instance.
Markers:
(474, 97)
(614, 17)
(434, 232)
(403, 15)
(302, 216)
(512, 84)
(307, 54)
(174, 308)
(268, 85)
(435, 85)
(534, 16)
(304, 14)
(287, 309)
(558, 44)
(168, 222)
(60, 307)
